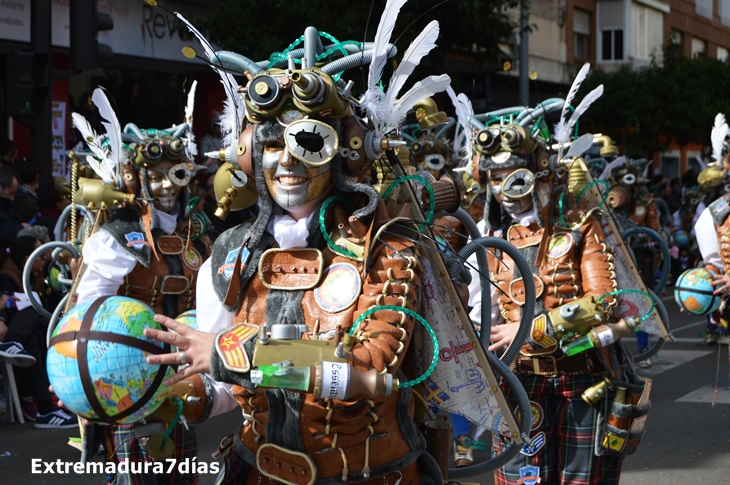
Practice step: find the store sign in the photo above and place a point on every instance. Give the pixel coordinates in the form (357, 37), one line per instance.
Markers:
(139, 29)
(58, 143)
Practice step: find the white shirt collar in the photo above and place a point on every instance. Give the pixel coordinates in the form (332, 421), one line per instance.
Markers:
(167, 222)
(289, 233)
(525, 218)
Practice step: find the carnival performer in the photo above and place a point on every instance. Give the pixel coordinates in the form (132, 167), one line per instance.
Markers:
(712, 229)
(572, 265)
(325, 278)
(148, 252)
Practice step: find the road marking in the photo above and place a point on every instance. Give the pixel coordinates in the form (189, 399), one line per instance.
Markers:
(695, 324)
(705, 394)
(669, 359)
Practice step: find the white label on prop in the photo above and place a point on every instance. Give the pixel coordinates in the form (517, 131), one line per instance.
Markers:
(606, 338)
(335, 380)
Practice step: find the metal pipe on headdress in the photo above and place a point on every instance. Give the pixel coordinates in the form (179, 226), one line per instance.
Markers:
(310, 47)
(234, 61)
(354, 60)
(135, 130)
(529, 115)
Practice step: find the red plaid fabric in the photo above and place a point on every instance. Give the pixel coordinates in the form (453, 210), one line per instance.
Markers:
(121, 445)
(567, 458)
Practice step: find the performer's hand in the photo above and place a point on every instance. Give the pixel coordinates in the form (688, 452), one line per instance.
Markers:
(502, 336)
(196, 345)
(723, 282)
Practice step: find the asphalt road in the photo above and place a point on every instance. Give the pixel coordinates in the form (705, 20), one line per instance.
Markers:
(687, 438)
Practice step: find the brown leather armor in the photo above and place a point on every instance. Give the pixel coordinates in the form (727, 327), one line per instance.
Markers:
(568, 269)
(344, 436)
(151, 284)
(646, 215)
(723, 240)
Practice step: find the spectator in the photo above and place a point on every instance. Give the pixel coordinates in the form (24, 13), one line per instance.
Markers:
(26, 200)
(211, 143)
(25, 334)
(8, 152)
(9, 224)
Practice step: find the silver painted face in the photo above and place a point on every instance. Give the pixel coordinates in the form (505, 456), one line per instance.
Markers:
(291, 183)
(161, 187)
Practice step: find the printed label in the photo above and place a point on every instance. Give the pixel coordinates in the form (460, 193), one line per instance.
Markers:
(335, 380)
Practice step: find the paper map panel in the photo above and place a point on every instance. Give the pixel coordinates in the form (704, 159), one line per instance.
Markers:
(630, 304)
(459, 384)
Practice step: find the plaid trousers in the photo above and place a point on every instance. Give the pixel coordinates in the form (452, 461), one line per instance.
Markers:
(121, 445)
(567, 457)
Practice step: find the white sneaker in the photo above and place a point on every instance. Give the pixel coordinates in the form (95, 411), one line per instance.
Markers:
(645, 364)
(724, 340)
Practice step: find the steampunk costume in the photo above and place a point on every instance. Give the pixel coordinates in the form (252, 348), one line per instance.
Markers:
(573, 264)
(145, 251)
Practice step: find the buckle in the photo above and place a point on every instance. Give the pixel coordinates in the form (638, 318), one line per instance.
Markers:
(285, 466)
(537, 368)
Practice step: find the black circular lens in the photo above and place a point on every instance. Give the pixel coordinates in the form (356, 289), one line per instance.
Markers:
(312, 142)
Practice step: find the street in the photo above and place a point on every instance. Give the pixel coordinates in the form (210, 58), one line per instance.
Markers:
(687, 439)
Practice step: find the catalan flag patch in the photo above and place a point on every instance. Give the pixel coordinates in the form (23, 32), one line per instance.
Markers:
(229, 344)
(539, 334)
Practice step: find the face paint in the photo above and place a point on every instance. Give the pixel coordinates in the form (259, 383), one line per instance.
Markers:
(290, 182)
(162, 189)
(512, 204)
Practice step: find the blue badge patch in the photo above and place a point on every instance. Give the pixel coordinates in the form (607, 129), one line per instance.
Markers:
(136, 240)
(529, 475)
(227, 269)
(537, 442)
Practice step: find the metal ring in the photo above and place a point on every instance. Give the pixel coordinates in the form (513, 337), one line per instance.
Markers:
(183, 357)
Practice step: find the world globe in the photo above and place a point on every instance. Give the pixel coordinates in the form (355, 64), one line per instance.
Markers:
(96, 361)
(693, 292)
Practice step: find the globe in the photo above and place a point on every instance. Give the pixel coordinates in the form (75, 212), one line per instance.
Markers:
(693, 292)
(189, 318)
(681, 238)
(118, 385)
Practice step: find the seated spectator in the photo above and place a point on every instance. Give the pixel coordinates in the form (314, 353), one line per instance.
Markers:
(9, 224)
(25, 338)
(26, 200)
(8, 153)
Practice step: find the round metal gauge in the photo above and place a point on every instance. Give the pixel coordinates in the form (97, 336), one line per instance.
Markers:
(312, 142)
(518, 184)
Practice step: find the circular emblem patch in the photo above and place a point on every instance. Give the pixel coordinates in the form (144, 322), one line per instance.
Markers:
(339, 288)
(537, 415)
(559, 245)
(192, 259)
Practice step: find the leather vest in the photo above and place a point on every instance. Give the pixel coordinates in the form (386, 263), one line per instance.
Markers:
(572, 264)
(344, 439)
(167, 285)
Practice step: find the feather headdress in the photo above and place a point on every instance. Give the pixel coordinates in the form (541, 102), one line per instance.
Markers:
(464, 111)
(107, 159)
(234, 110)
(609, 168)
(717, 137)
(191, 149)
(383, 109)
(564, 128)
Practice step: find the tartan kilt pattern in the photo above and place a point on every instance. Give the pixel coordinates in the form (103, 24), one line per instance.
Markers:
(121, 445)
(568, 457)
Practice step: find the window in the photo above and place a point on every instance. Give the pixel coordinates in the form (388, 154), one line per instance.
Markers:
(670, 164)
(721, 54)
(647, 31)
(699, 47)
(692, 163)
(675, 38)
(704, 8)
(612, 45)
(581, 33)
(723, 7)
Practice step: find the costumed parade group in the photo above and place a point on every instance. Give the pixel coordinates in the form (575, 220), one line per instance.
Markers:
(398, 280)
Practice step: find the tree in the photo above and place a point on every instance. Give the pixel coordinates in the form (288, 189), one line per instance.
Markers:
(257, 29)
(646, 109)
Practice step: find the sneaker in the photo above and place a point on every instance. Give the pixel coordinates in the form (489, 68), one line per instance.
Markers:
(463, 455)
(57, 419)
(645, 364)
(28, 407)
(710, 339)
(724, 340)
(13, 353)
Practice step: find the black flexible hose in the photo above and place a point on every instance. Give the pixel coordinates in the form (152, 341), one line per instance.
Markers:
(666, 258)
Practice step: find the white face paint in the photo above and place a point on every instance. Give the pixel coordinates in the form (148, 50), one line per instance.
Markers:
(162, 189)
(291, 183)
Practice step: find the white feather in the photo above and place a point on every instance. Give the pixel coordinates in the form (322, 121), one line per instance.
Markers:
(190, 147)
(585, 104)
(89, 134)
(420, 47)
(609, 168)
(464, 111)
(232, 119)
(562, 131)
(382, 38)
(718, 135)
(422, 89)
(580, 146)
(115, 160)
